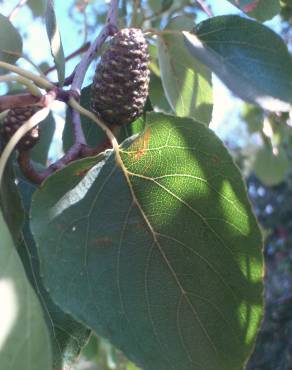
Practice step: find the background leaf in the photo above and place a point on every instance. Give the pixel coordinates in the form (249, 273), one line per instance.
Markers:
(55, 40)
(93, 133)
(251, 59)
(259, 9)
(156, 94)
(24, 338)
(166, 264)
(159, 5)
(38, 7)
(10, 41)
(186, 82)
(254, 117)
(10, 203)
(271, 169)
(40, 151)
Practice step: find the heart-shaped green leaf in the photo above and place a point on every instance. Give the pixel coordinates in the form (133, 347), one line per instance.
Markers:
(163, 257)
(248, 57)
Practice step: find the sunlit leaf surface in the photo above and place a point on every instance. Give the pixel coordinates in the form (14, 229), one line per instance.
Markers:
(163, 258)
(186, 82)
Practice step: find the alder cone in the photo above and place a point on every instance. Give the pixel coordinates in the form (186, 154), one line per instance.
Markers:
(120, 85)
(15, 118)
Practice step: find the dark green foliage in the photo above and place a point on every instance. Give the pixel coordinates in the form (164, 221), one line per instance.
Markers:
(273, 207)
(133, 248)
(10, 203)
(25, 341)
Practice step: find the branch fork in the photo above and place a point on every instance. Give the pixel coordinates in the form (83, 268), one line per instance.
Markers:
(72, 96)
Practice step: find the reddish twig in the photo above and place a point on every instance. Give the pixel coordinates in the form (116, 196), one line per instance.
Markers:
(86, 151)
(48, 99)
(70, 156)
(75, 53)
(78, 150)
(78, 134)
(27, 168)
(24, 100)
(16, 9)
(205, 8)
(20, 100)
